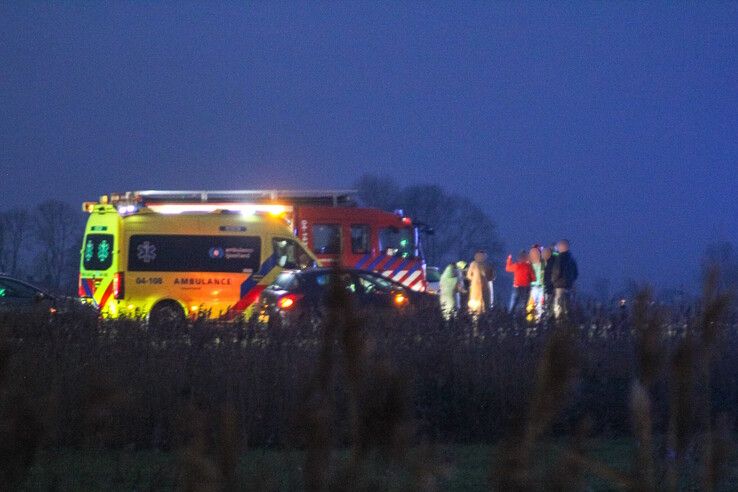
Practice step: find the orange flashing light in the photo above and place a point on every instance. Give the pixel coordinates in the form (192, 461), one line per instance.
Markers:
(400, 299)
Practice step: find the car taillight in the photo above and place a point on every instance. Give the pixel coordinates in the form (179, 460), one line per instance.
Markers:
(288, 301)
(119, 286)
(80, 289)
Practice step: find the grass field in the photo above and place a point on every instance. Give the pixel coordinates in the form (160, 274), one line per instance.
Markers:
(456, 468)
(641, 400)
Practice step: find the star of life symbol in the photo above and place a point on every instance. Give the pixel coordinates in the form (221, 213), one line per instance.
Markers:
(146, 252)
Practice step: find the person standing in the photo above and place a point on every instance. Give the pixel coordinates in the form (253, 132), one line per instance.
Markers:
(536, 287)
(548, 288)
(450, 286)
(461, 294)
(478, 284)
(522, 277)
(489, 274)
(563, 275)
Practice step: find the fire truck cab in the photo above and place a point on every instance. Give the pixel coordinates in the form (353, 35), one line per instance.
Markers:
(364, 238)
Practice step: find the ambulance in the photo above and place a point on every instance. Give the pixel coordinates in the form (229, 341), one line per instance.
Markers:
(153, 255)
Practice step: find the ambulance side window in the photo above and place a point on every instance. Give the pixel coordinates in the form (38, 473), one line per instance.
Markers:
(360, 239)
(327, 239)
(290, 255)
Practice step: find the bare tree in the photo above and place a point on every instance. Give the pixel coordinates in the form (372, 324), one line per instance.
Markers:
(723, 256)
(16, 223)
(3, 242)
(378, 192)
(460, 226)
(57, 229)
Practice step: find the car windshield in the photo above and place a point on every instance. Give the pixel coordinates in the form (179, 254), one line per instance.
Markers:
(396, 242)
(285, 281)
(16, 290)
(433, 275)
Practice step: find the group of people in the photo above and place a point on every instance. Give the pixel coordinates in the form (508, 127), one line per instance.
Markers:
(543, 283)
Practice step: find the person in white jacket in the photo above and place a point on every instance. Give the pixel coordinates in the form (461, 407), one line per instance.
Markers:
(481, 288)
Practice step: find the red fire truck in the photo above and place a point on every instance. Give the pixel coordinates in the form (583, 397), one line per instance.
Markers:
(329, 222)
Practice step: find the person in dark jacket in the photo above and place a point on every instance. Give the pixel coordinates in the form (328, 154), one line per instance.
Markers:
(564, 273)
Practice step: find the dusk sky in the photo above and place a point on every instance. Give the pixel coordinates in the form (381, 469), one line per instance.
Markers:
(613, 124)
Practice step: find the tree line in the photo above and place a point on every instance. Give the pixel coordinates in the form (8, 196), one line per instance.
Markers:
(455, 226)
(42, 244)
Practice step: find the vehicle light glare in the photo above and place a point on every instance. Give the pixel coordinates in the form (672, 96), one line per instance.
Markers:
(400, 299)
(126, 209)
(243, 208)
(286, 302)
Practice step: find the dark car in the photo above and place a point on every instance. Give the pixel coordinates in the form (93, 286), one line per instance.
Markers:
(19, 297)
(300, 295)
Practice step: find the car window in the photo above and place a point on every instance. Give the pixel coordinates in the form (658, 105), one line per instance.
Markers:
(359, 239)
(371, 283)
(433, 275)
(97, 252)
(289, 254)
(348, 280)
(10, 289)
(327, 239)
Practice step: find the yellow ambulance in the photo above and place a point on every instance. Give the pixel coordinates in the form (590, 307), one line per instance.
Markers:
(167, 257)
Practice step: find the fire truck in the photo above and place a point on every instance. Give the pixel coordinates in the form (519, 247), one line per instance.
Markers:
(332, 225)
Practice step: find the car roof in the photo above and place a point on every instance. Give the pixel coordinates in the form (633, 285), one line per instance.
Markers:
(8, 277)
(323, 270)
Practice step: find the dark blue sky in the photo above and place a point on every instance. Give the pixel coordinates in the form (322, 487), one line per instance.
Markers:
(615, 125)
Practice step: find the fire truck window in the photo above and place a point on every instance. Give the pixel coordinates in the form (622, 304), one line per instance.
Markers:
(396, 242)
(359, 239)
(327, 239)
(97, 252)
(290, 254)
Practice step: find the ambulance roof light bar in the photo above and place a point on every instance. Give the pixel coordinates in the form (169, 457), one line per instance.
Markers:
(328, 197)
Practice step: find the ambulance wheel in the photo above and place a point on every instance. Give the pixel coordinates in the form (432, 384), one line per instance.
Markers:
(166, 314)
